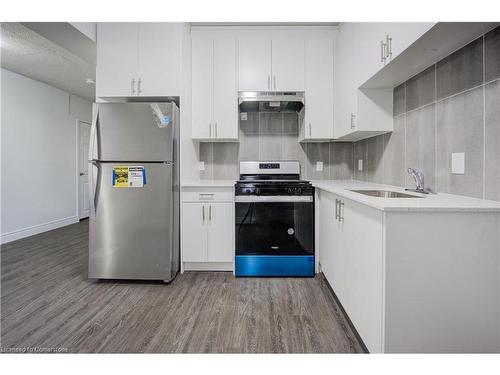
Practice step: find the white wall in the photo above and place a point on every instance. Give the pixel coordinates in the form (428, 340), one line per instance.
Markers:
(38, 156)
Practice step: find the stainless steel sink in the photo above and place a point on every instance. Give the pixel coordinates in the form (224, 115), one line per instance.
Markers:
(385, 194)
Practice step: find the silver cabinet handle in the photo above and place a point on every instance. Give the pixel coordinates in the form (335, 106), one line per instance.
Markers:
(388, 43)
(216, 129)
(382, 51)
(269, 82)
(139, 87)
(210, 213)
(132, 86)
(336, 209)
(203, 212)
(353, 121)
(275, 82)
(341, 211)
(310, 131)
(209, 130)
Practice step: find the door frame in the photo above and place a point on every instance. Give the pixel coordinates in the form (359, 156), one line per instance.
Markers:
(77, 164)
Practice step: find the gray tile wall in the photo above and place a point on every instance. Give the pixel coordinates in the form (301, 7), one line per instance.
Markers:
(274, 136)
(452, 106)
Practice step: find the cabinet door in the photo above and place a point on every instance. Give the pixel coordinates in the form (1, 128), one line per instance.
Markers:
(159, 56)
(225, 92)
(254, 63)
(362, 231)
(116, 59)
(404, 34)
(194, 232)
(319, 88)
(326, 224)
(220, 232)
(201, 81)
(287, 64)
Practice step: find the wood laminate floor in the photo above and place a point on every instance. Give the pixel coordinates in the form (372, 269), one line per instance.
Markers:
(48, 302)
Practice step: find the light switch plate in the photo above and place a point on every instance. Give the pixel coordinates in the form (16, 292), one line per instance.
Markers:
(360, 165)
(319, 166)
(201, 165)
(243, 116)
(458, 163)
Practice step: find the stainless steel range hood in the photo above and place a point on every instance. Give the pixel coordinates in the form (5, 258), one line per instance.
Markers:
(271, 101)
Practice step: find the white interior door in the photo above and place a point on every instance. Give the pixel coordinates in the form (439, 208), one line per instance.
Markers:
(83, 175)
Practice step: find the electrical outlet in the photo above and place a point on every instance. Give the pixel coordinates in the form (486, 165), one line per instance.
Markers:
(319, 166)
(360, 165)
(243, 116)
(458, 163)
(201, 165)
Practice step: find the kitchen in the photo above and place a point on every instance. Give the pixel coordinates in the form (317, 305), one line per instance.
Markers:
(264, 188)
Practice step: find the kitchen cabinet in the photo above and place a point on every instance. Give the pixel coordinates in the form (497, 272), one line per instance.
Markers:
(391, 272)
(353, 263)
(270, 63)
(214, 91)
(207, 226)
(362, 50)
(138, 59)
(317, 124)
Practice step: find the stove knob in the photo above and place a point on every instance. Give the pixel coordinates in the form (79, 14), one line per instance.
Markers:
(289, 190)
(248, 191)
(298, 191)
(257, 191)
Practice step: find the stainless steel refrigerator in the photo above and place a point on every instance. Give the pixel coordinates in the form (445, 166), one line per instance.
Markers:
(134, 191)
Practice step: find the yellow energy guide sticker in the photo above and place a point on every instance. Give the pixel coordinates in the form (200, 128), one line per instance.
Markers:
(130, 176)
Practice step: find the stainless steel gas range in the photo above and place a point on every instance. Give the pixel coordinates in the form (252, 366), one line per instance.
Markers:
(274, 214)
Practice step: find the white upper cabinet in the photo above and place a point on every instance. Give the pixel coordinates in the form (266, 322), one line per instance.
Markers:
(225, 89)
(201, 79)
(319, 88)
(287, 63)
(270, 62)
(214, 91)
(159, 56)
(254, 57)
(400, 35)
(117, 65)
(138, 59)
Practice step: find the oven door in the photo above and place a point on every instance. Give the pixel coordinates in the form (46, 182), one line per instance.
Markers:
(274, 236)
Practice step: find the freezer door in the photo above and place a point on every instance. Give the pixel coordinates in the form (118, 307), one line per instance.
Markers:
(133, 131)
(131, 228)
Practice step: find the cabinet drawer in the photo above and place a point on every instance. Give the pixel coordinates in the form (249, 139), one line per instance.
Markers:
(208, 195)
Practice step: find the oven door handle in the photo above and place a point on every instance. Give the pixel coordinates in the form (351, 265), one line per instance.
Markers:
(273, 198)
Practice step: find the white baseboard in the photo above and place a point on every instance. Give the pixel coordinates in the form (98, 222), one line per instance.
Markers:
(36, 229)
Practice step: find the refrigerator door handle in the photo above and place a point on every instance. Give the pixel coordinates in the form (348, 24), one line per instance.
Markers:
(93, 182)
(93, 146)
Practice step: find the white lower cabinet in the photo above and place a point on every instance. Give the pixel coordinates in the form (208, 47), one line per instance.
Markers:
(413, 281)
(351, 260)
(207, 237)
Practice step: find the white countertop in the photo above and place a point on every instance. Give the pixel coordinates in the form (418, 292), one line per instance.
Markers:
(208, 183)
(430, 202)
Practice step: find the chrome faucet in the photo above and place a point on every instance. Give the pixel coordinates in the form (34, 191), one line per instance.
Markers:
(419, 180)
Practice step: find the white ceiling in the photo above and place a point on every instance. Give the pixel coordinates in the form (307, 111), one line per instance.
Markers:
(26, 52)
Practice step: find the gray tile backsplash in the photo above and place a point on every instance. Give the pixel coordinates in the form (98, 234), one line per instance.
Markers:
(461, 70)
(421, 145)
(399, 99)
(420, 90)
(457, 112)
(274, 136)
(393, 158)
(460, 129)
(492, 141)
(492, 55)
